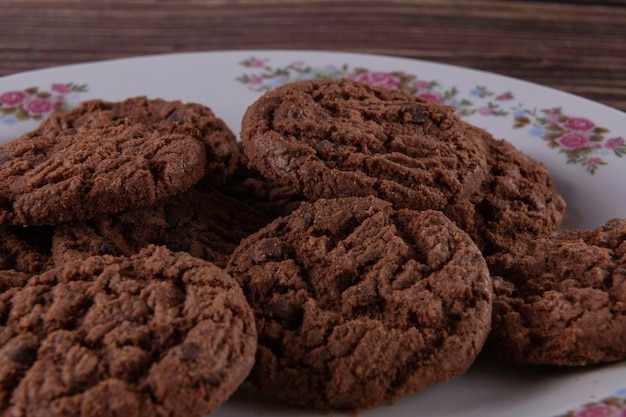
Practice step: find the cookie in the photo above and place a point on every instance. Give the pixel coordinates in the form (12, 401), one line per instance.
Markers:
(220, 143)
(357, 303)
(78, 175)
(158, 333)
(205, 223)
(25, 249)
(328, 139)
(563, 302)
(515, 204)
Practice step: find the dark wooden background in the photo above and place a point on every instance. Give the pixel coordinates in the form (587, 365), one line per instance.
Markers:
(576, 46)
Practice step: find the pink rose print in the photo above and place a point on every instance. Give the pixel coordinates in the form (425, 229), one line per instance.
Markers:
(431, 96)
(377, 78)
(505, 96)
(421, 84)
(13, 98)
(593, 162)
(256, 80)
(573, 141)
(552, 116)
(61, 89)
(484, 111)
(600, 410)
(34, 103)
(39, 106)
(257, 63)
(613, 143)
(579, 124)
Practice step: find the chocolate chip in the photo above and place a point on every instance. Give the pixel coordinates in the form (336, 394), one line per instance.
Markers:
(188, 351)
(107, 248)
(173, 117)
(414, 113)
(214, 380)
(325, 149)
(24, 355)
(272, 250)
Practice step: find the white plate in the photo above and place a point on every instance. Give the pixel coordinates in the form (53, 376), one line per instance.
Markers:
(580, 141)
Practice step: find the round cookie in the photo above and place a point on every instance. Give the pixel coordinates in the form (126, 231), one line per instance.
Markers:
(158, 333)
(92, 171)
(329, 138)
(206, 224)
(358, 304)
(563, 302)
(220, 143)
(514, 205)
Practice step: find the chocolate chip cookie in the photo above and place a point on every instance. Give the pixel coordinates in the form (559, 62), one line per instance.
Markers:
(563, 302)
(158, 333)
(78, 175)
(220, 143)
(515, 204)
(357, 303)
(328, 138)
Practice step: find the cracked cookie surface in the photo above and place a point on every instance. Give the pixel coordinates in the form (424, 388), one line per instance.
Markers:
(357, 303)
(94, 170)
(516, 203)
(220, 143)
(156, 334)
(328, 139)
(563, 301)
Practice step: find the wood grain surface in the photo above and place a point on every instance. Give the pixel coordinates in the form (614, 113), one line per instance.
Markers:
(575, 46)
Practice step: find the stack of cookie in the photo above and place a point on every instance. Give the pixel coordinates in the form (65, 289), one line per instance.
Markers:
(378, 287)
(360, 244)
(113, 296)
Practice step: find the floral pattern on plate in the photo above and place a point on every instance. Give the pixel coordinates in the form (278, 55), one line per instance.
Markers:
(266, 77)
(614, 406)
(579, 139)
(35, 104)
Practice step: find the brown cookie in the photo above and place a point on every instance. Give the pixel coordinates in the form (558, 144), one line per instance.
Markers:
(159, 333)
(358, 304)
(92, 171)
(328, 138)
(563, 302)
(25, 249)
(220, 143)
(514, 205)
(206, 224)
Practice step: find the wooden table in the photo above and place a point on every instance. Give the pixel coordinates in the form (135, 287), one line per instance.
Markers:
(576, 46)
